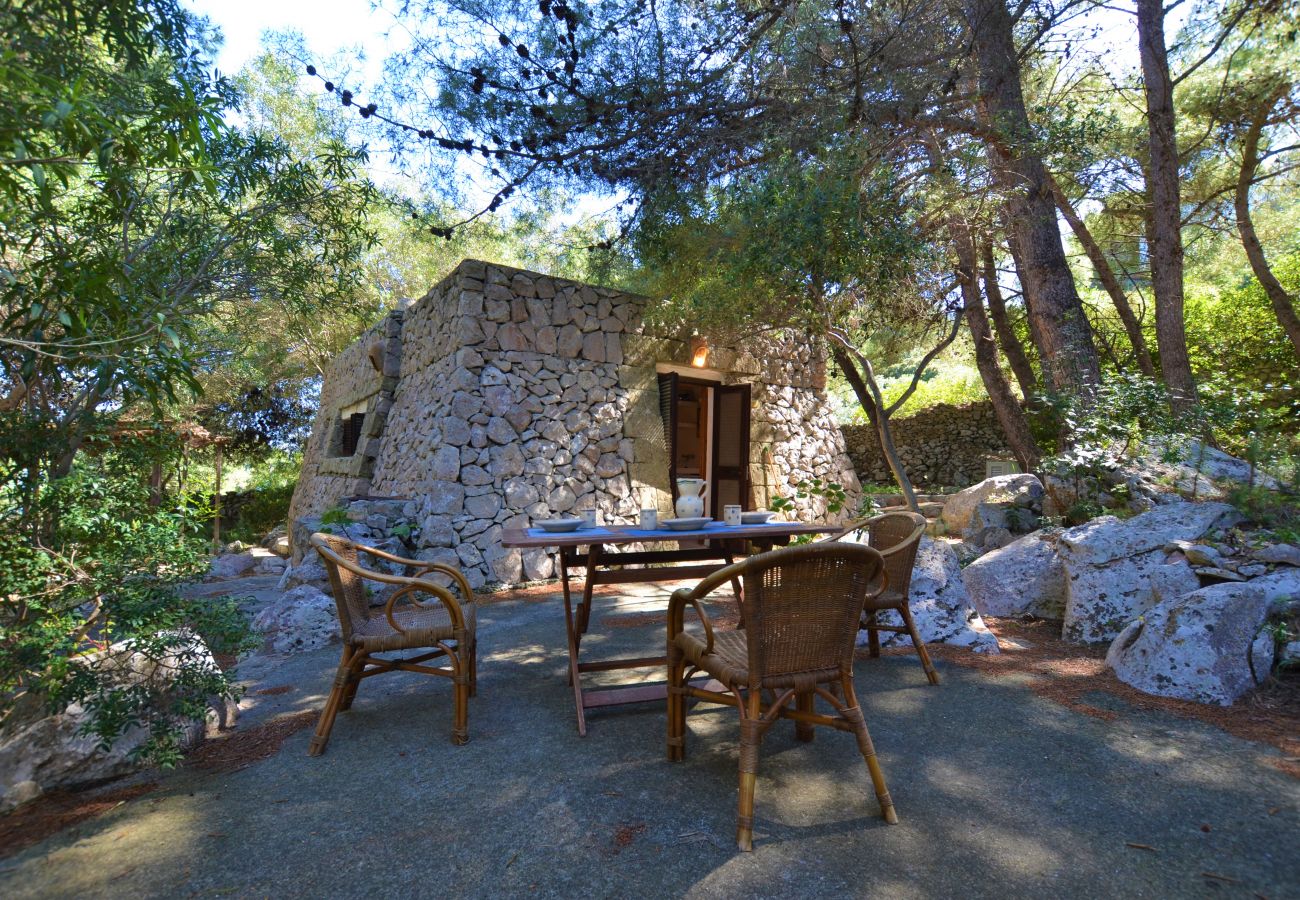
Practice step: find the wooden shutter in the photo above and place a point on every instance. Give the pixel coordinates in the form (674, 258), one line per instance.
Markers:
(730, 448)
(668, 412)
(352, 433)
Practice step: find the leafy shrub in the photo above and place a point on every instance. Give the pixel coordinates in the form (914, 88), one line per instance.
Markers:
(90, 571)
(1130, 416)
(257, 512)
(1272, 510)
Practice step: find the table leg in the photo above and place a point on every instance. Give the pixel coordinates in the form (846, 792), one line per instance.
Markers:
(594, 553)
(575, 678)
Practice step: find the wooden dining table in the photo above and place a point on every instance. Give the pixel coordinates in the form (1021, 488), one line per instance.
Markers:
(595, 550)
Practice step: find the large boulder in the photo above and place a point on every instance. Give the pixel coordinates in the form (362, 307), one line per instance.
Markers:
(232, 565)
(49, 752)
(1025, 577)
(53, 752)
(303, 619)
(311, 572)
(1200, 646)
(1117, 569)
(986, 505)
(940, 605)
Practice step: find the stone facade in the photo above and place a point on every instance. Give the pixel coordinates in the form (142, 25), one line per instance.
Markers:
(504, 396)
(943, 446)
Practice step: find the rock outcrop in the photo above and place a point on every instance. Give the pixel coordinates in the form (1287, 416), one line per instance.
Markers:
(1202, 645)
(939, 604)
(987, 505)
(303, 619)
(52, 752)
(1118, 569)
(1025, 577)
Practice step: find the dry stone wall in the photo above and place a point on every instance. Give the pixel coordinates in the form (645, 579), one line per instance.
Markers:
(943, 446)
(362, 376)
(522, 396)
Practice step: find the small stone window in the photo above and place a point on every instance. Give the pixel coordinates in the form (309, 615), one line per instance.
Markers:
(351, 435)
(348, 430)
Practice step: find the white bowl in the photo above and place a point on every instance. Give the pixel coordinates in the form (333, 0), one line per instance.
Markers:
(559, 525)
(694, 523)
(756, 517)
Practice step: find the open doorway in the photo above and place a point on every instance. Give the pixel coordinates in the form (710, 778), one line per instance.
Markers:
(706, 427)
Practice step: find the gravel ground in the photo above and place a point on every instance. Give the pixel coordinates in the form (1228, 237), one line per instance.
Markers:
(1000, 792)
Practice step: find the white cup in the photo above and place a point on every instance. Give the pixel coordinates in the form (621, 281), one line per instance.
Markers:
(731, 514)
(649, 519)
(588, 518)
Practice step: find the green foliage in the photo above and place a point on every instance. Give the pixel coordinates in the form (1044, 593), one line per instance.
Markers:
(91, 612)
(831, 491)
(335, 516)
(1274, 511)
(1242, 356)
(259, 512)
(1130, 416)
(808, 244)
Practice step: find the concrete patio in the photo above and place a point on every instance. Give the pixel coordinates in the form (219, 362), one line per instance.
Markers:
(1000, 793)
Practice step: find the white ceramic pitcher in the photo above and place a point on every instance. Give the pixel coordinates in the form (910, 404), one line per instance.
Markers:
(690, 497)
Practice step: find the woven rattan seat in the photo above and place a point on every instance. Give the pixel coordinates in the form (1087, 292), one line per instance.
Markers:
(422, 614)
(428, 626)
(728, 660)
(801, 615)
(897, 535)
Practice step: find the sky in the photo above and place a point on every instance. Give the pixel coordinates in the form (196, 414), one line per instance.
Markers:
(327, 26)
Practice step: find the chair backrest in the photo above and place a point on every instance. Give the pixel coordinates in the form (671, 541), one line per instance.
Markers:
(349, 587)
(801, 610)
(897, 535)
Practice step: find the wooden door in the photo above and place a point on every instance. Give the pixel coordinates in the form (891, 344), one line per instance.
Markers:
(730, 482)
(668, 412)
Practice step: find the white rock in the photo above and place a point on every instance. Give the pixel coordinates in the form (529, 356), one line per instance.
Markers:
(1116, 570)
(1284, 554)
(940, 605)
(52, 752)
(1195, 647)
(232, 565)
(1025, 577)
(303, 619)
(271, 565)
(963, 511)
(311, 571)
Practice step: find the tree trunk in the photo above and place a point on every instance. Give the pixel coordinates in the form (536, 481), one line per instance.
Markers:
(1005, 406)
(864, 386)
(1018, 263)
(1106, 275)
(1282, 302)
(1012, 349)
(1068, 355)
(1164, 237)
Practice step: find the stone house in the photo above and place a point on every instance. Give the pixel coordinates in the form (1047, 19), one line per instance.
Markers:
(505, 396)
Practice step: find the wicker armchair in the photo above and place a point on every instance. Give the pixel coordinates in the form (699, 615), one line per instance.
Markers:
(445, 627)
(802, 608)
(897, 535)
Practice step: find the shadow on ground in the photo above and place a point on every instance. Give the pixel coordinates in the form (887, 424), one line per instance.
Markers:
(1000, 792)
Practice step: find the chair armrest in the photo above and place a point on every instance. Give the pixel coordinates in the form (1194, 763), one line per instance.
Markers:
(456, 575)
(422, 566)
(676, 615)
(682, 596)
(884, 585)
(444, 596)
(406, 585)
